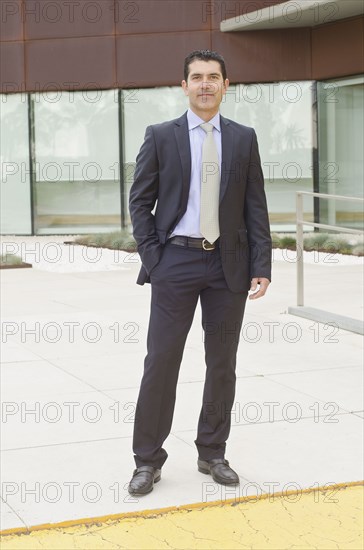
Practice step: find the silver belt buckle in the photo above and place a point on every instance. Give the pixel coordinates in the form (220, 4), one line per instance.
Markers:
(209, 247)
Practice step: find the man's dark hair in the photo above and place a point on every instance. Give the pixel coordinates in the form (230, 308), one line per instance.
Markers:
(204, 55)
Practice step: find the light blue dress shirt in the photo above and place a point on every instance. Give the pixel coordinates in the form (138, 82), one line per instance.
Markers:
(189, 224)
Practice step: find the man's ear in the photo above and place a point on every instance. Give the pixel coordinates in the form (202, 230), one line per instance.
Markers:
(225, 86)
(184, 87)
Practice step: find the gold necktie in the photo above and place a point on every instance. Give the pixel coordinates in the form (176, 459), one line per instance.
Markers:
(210, 187)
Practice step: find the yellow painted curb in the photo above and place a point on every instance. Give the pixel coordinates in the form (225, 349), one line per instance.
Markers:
(155, 513)
(160, 511)
(319, 519)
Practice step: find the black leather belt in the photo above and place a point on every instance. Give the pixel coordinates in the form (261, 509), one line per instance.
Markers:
(192, 242)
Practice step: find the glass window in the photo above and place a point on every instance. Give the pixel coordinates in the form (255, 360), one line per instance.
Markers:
(77, 188)
(15, 197)
(141, 108)
(281, 114)
(341, 149)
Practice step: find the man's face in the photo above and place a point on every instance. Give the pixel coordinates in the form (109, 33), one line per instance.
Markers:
(205, 87)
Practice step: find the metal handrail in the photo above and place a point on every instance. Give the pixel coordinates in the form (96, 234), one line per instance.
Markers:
(299, 233)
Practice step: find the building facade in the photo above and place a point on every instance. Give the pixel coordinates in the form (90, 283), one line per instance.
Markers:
(80, 81)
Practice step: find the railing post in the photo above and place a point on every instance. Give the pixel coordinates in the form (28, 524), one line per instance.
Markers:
(299, 233)
(299, 248)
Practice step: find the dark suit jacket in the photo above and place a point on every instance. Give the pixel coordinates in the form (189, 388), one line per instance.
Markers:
(162, 175)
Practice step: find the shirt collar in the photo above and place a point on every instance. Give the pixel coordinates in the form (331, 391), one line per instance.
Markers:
(194, 120)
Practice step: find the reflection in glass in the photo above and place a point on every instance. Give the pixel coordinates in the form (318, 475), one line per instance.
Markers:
(281, 114)
(341, 149)
(141, 108)
(77, 187)
(15, 197)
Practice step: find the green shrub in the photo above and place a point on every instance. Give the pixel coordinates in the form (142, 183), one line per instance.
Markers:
(275, 240)
(287, 241)
(116, 240)
(358, 249)
(315, 241)
(325, 242)
(337, 245)
(10, 259)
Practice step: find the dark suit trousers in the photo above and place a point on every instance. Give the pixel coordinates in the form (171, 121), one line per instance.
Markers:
(181, 277)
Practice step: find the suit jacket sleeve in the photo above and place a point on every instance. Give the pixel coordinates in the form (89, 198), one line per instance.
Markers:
(256, 217)
(143, 196)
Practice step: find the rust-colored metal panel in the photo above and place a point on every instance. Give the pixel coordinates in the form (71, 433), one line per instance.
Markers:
(219, 10)
(11, 26)
(62, 19)
(338, 49)
(265, 56)
(156, 59)
(147, 53)
(12, 67)
(83, 62)
(157, 16)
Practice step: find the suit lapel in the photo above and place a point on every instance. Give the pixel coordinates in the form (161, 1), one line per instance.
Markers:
(227, 140)
(183, 144)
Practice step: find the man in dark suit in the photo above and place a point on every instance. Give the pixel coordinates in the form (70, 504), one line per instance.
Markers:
(207, 239)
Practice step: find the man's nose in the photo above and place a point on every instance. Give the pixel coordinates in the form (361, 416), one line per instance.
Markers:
(208, 86)
(206, 83)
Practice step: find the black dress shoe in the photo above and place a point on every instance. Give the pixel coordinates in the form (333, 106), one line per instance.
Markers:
(220, 470)
(143, 480)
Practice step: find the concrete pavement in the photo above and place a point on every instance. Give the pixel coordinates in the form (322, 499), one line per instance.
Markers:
(73, 346)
